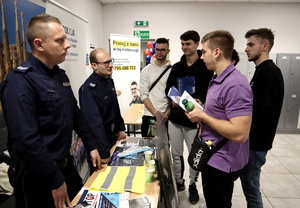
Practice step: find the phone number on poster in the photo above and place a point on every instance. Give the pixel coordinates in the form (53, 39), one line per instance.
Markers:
(124, 67)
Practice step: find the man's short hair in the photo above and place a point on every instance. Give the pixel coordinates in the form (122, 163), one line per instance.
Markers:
(190, 35)
(37, 27)
(262, 34)
(162, 41)
(133, 83)
(221, 39)
(93, 55)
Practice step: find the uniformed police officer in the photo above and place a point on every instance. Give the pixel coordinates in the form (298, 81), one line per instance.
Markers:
(41, 113)
(98, 101)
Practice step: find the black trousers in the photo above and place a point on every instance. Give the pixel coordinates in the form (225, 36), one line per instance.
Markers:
(145, 125)
(31, 192)
(218, 187)
(110, 136)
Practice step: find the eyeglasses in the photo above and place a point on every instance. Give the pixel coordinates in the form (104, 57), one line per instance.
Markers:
(106, 63)
(160, 50)
(133, 89)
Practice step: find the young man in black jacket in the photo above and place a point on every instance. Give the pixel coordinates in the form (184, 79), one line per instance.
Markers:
(189, 69)
(268, 92)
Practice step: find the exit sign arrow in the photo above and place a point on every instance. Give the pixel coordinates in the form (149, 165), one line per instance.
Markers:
(141, 23)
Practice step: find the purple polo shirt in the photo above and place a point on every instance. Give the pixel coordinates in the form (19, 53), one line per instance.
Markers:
(229, 95)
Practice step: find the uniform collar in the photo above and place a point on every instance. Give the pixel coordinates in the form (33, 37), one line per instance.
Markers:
(41, 65)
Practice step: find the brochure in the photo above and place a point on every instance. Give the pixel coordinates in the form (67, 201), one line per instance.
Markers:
(177, 97)
(187, 96)
(114, 200)
(174, 95)
(89, 198)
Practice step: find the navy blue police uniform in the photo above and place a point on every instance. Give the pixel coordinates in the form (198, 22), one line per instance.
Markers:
(41, 112)
(98, 100)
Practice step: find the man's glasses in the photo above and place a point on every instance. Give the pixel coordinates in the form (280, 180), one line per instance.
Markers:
(133, 88)
(106, 63)
(160, 50)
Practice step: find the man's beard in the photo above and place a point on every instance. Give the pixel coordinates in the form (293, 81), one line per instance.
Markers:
(161, 59)
(254, 58)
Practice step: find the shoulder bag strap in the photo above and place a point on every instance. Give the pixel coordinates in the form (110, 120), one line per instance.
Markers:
(219, 145)
(160, 76)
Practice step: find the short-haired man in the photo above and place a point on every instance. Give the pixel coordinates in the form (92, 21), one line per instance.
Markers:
(155, 101)
(227, 114)
(268, 92)
(134, 92)
(41, 112)
(98, 101)
(180, 128)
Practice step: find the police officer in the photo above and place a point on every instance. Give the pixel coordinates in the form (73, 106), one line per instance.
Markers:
(98, 101)
(41, 113)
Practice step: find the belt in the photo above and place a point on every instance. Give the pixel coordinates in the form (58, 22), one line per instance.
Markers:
(63, 162)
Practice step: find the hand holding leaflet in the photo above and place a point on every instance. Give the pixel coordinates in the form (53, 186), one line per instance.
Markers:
(174, 95)
(187, 97)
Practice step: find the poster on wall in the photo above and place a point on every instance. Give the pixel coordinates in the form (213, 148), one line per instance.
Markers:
(14, 45)
(75, 28)
(125, 50)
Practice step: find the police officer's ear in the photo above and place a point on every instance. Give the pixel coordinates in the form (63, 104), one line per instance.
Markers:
(37, 42)
(94, 66)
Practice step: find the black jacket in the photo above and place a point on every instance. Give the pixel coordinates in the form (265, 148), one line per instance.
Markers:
(268, 92)
(202, 78)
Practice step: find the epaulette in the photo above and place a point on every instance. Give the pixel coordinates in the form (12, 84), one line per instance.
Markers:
(92, 85)
(22, 69)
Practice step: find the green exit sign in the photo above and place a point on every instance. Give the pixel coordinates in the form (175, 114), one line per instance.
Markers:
(141, 23)
(141, 34)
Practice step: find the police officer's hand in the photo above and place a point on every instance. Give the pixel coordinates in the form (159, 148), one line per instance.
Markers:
(105, 160)
(60, 196)
(96, 159)
(120, 135)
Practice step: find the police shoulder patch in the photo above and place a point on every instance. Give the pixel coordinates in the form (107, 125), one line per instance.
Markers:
(92, 84)
(23, 69)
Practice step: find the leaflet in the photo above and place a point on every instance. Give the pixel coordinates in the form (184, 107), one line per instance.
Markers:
(175, 95)
(187, 96)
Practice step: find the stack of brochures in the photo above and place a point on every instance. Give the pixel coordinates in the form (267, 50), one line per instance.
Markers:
(129, 152)
(97, 199)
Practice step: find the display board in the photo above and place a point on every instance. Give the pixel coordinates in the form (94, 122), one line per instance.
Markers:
(165, 166)
(125, 50)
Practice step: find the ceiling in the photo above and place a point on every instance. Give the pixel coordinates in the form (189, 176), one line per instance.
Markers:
(157, 1)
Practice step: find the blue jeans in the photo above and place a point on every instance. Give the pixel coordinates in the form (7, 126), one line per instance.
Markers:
(250, 177)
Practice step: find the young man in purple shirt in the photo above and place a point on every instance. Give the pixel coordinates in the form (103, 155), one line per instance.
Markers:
(227, 114)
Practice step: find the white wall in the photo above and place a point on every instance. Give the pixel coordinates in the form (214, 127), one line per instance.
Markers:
(170, 20)
(90, 10)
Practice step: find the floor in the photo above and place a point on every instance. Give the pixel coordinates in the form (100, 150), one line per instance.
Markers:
(280, 178)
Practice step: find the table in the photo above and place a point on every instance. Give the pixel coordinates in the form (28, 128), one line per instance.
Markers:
(152, 190)
(133, 116)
